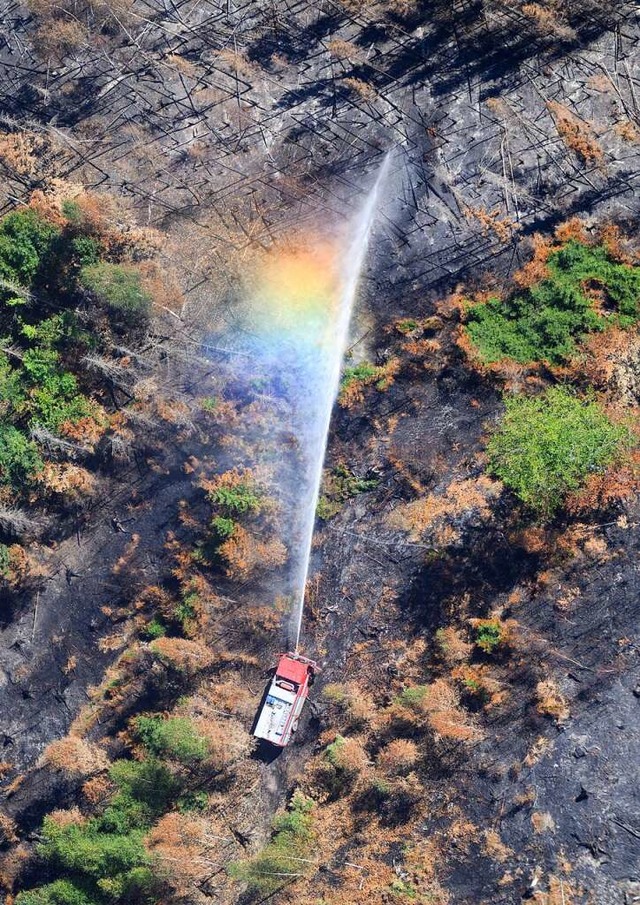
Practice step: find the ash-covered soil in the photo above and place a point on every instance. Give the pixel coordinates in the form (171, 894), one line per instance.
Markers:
(228, 126)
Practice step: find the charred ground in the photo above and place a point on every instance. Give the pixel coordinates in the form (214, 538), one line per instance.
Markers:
(224, 128)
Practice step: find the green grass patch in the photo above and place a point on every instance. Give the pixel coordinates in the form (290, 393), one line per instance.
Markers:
(545, 322)
(547, 445)
(119, 288)
(174, 737)
(413, 697)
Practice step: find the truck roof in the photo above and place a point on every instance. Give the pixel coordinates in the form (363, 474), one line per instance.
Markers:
(293, 670)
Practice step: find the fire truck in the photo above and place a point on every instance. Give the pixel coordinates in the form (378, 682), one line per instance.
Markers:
(278, 719)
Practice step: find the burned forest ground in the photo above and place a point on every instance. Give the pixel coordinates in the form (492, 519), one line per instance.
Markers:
(473, 734)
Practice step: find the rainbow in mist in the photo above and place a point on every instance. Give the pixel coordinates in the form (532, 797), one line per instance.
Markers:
(298, 320)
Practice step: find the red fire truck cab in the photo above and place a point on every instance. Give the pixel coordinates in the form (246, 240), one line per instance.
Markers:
(280, 713)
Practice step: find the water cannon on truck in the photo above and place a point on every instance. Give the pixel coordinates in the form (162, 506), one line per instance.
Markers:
(280, 713)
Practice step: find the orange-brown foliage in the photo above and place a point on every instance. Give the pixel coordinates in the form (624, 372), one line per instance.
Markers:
(67, 817)
(366, 91)
(97, 789)
(383, 376)
(72, 483)
(459, 497)
(21, 569)
(550, 701)
(19, 152)
(186, 656)
(86, 430)
(617, 485)
(74, 756)
(59, 37)
(492, 221)
(536, 269)
(8, 828)
(452, 645)
(398, 757)
(577, 134)
(548, 21)
(188, 849)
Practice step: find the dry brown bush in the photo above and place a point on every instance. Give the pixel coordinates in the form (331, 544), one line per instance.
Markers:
(12, 866)
(231, 696)
(577, 134)
(548, 22)
(453, 647)
(478, 681)
(58, 38)
(495, 847)
(188, 657)
(19, 152)
(502, 227)
(420, 515)
(244, 552)
(363, 89)
(71, 483)
(74, 756)
(438, 707)
(8, 828)
(383, 376)
(615, 486)
(542, 821)
(228, 740)
(187, 850)
(550, 701)
(355, 707)
(22, 570)
(398, 757)
(343, 50)
(97, 789)
(66, 817)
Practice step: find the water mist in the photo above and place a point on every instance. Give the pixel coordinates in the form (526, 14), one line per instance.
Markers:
(349, 269)
(290, 332)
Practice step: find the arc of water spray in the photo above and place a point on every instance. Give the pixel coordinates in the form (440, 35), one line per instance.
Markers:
(351, 267)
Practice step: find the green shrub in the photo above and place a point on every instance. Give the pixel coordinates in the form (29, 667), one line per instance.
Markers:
(85, 251)
(280, 860)
(60, 892)
(119, 287)
(545, 322)
(209, 403)
(364, 371)
(19, 457)
(193, 801)
(488, 636)
(105, 859)
(414, 696)
(173, 737)
(118, 864)
(402, 888)
(147, 781)
(547, 445)
(407, 326)
(25, 239)
(154, 629)
(236, 500)
(341, 485)
(5, 561)
(223, 527)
